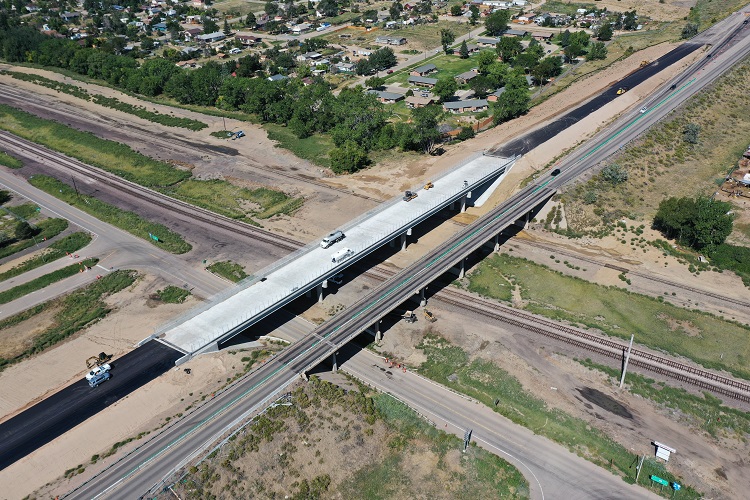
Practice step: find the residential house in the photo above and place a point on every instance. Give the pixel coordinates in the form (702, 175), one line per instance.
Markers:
(192, 33)
(300, 28)
(345, 67)
(518, 33)
(190, 50)
(467, 76)
(493, 96)
(200, 4)
(414, 101)
(471, 47)
(542, 36)
(190, 63)
(309, 57)
(470, 106)
(390, 40)
(211, 37)
(487, 41)
(70, 16)
(247, 40)
(386, 97)
(422, 81)
(423, 70)
(276, 78)
(160, 27)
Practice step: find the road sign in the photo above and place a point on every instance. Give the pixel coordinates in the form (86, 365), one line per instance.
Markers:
(659, 480)
(676, 486)
(153, 237)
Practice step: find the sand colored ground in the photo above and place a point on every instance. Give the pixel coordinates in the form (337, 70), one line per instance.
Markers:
(670, 10)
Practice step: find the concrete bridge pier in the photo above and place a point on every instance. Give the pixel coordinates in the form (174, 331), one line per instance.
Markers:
(462, 268)
(319, 289)
(497, 243)
(422, 298)
(374, 330)
(335, 364)
(463, 204)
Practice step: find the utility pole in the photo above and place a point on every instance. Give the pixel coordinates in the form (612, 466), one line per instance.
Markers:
(627, 358)
(638, 468)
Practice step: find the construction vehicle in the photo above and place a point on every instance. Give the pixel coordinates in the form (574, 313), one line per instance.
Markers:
(409, 195)
(645, 63)
(429, 316)
(98, 371)
(622, 90)
(409, 317)
(429, 185)
(98, 360)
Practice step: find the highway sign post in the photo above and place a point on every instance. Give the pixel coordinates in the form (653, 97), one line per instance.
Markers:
(153, 237)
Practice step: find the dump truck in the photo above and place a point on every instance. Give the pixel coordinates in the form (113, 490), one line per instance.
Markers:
(409, 317)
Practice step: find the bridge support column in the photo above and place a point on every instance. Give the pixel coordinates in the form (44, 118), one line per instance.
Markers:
(319, 288)
(463, 204)
(334, 363)
(403, 242)
(462, 268)
(497, 243)
(422, 298)
(304, 377)
(378, 335)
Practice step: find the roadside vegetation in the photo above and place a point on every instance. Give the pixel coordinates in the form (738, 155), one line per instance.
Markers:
(45, 325)
(127, 221)
(24, 235)
(173, 295)
(331, 442)
(44, 281)
(710, 341)
(494, 387)
(109, 102)
(68, 244)
(706, 413)
(229, 270)
(219, 196)
(9, 161)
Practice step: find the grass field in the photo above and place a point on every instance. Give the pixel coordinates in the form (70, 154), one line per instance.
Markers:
(44, 281)
(448, 66)
(9, 161)
(487, 383)
(710, 341)
(337, 443)
(127, 221)
(229, 270)
(56, 250)
(173, 295)
(314, 148)
(707, 12)
(107, 155)
(662, 164)
(70, 314)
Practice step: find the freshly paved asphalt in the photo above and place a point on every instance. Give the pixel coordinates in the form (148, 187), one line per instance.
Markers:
(62, 411)
(527, 142)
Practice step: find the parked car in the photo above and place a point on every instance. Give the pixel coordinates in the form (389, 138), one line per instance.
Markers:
(102, 377)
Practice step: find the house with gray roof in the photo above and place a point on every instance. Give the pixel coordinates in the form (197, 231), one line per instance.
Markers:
(422, 81)
(423, 70)
(470, 106)
(386, 97)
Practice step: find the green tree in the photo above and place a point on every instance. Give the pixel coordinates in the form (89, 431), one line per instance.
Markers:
(484, 60)
(456, 10)
(508, 48)
(24, 231)
(605, 32)
(690, 133)
(597, 50)
(272, 8)
(227, 30)
(701, 223)
(250, 20)
(463, 52)
(514, 101)
(565, 38)
(474, 17)
(481, 85)
(630, 22)
(447, 37)
(690, 30)
(375, 82)
(445, 88)
(497, 22)
(615, 174)
(547, 68)
(209, 25)
(348, 158)
(426, 134)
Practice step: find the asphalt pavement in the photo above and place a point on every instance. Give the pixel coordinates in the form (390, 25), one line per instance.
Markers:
(67, 408)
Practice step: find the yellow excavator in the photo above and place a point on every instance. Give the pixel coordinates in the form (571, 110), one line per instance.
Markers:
(99, 360)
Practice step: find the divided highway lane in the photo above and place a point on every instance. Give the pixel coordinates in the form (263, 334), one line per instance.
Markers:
(57, 414)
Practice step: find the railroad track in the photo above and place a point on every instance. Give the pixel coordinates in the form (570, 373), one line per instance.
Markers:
(154, 197)
(13, 94)
(670, 368)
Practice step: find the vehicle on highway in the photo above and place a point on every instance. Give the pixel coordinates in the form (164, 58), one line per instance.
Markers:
(555, 172)
(338, 279)
(410, 195)
(342, 255)
(673, 86)
(332, 238)
(644, 109)
(622, 90)
(102, 377)
(98, 371)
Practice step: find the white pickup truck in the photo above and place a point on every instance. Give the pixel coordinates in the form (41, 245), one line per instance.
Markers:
(98, 370)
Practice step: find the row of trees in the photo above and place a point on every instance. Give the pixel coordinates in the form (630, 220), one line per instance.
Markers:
(701, 223)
